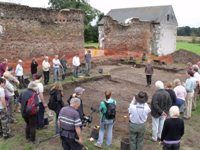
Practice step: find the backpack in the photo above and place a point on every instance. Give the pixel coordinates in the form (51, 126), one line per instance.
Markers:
(111, 110)
(52, 104)
(31, 106)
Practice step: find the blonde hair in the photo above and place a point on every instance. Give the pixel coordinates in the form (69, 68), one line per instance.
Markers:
(174, 111)
(57, 86)
(177, 82)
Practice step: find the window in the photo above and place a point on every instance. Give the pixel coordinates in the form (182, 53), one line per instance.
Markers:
(167, 17)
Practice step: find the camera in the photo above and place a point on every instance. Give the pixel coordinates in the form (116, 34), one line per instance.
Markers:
(88, 119)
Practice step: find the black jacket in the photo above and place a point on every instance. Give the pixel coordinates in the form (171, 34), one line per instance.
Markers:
(161, 101)
(172, 95)
(57, 95)
(34, 66)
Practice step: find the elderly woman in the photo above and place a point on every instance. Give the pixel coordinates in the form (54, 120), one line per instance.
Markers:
(181, 94)
(138, 113)
(173, 130)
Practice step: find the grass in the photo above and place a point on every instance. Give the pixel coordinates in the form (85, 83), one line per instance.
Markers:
(90, 44)
(192, 47)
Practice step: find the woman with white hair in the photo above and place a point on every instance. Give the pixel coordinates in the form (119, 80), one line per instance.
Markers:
(173, 130)
(19, 71)
(181, 94)
(46, 67)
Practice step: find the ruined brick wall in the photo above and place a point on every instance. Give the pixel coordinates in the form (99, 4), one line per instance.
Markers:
(26, 32)
(133, 36)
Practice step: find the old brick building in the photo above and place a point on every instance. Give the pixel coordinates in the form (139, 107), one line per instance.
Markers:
(26, 32)
(151, 29)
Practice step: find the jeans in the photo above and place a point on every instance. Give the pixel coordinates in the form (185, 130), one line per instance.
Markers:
(188, 110)
(136, 136)
(30, 127)
(75, 71)
(64, 73)
(70, 144)
(181, 104)
(109, 125)
(46, 77)
(55, 74)
(148, 79)
(157, 127)
(40, 116)
(87, 68)
(171, 146)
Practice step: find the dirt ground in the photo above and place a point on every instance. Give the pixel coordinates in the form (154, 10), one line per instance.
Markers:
(125, 82)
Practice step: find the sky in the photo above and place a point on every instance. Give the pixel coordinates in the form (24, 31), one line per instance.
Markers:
(186, 11)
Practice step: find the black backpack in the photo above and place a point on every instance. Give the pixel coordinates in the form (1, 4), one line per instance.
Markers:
(52, 104)
(111, 110)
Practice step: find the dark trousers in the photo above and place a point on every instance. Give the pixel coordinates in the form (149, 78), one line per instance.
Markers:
(70, 144)
(40, 116)
(21, 82)
(76, 69)
(148, 79)
(171, 146)
(30, 127)
(46, 77)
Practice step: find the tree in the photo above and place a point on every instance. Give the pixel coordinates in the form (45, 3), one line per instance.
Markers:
(91, 13)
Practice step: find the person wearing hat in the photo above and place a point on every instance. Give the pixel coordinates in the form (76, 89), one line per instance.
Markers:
(173, 130)
(30, 120)
(78, 92)
(160, 105)
(138, 113)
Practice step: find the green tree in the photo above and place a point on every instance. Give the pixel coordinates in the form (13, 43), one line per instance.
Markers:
(91, 13)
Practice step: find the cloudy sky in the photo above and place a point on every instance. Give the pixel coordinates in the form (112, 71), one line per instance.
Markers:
(187, 11)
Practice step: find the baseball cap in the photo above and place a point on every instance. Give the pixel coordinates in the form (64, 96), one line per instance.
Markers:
(79, 90)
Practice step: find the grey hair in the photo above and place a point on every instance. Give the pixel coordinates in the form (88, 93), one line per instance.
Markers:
(174, 111)
(177, 82)
(75, 101)
(159, 84)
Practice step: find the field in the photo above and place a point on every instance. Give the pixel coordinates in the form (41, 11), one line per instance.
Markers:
(192, 47)
(124, 83)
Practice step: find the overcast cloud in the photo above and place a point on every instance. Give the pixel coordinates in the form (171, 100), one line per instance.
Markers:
(186, 11)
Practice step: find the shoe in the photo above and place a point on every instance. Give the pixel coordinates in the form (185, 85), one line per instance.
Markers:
(8, 136)
(98, 145)
(153, 140)
(186, 118)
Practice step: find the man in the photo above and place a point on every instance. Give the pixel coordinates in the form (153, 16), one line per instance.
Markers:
(3, 67)
(190, 86)
(64, 66)
(69, 122)
(160, 105)
(29, 119)
(56, 66)
(45, 67)
(88, 58)
(76, 63)
(149, 72)
(197, 89)
(19, 71)
(4, 125)
(78, 92)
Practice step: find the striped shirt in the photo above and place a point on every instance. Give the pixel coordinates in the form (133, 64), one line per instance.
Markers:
(69, 119)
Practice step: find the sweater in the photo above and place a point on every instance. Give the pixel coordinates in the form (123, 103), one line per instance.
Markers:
(161, 101)
(172, 95)
(173, 129)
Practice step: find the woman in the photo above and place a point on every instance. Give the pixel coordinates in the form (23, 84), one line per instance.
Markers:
(181, 94)
(173, 130)
(138, 113)
(57, 93)
(34, 66)
(105, 120)
(168, 88)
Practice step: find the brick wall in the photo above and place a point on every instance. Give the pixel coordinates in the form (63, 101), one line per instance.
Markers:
(135, 36)
(26, 32)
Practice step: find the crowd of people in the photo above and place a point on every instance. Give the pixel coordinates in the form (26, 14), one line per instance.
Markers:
(168, 102)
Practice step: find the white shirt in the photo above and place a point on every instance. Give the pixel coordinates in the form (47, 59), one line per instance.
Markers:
(45, 65)
(19, 70)
(180, 92)
(9, 89)
(2, 95)
(40, 89)
(76, 61)
(56, 63)
(197, 76)
(138, 113)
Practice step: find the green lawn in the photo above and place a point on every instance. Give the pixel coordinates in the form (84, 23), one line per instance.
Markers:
(89, 44)
(193, 47)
